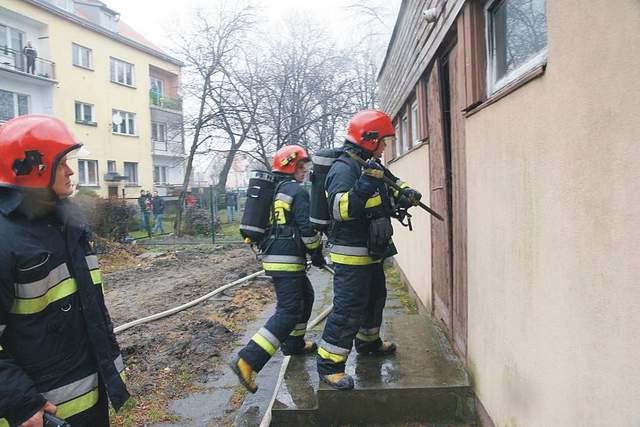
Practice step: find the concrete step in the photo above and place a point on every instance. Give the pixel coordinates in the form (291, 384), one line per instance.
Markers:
(423, 383)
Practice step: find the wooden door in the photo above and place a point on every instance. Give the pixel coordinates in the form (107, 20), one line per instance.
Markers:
(441, 273)
(113, 192)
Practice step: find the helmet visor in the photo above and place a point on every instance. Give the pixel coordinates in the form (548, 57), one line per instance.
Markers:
(78, 153)
(388, 140)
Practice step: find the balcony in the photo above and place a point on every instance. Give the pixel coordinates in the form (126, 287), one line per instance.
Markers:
(17, 63)
(158, 100)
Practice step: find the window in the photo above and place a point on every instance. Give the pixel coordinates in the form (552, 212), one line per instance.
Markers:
(406, 138)
(396, 149)
(82, 56)
(517, 39)
(12, 105)
(157, 86)
(111, 166)
(415, 138)
(124, 123)
(131, 172)
(160, 174)
(159, 132)
(88, 172)
(122, 72)
(85, 113)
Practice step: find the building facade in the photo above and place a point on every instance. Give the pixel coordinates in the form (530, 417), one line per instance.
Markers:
(117, 92)
(516, 119)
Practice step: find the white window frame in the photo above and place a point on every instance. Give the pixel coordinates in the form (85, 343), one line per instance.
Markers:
(16, 103)
(155, 129)
(118, 68)
(414, 123)
(132, 181)
(494, 85)
(126, 117)
(398, 144)
(111, 169)
(160, 174)
(77, 58)
(84, 180)
(404, 128)
(83, 107)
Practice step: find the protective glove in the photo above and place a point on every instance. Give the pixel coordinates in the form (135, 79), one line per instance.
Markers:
(368, 182)
(409, 197)
(380, 231)
(317, 258)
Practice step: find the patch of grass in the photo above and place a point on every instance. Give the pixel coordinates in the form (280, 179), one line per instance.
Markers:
(399, 288)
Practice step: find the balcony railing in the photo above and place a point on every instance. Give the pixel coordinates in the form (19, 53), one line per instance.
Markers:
(165, 101)
(16, 60)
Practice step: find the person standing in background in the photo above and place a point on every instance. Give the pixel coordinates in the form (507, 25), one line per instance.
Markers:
(31, 54)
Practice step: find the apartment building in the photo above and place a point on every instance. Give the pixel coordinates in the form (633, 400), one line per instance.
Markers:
(117, 91)
(517, 120)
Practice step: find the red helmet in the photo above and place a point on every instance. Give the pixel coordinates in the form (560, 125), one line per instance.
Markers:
(368, 127)
(286, 159)
(31, 147)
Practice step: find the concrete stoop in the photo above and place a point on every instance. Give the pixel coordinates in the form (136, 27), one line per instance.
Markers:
(423, 383)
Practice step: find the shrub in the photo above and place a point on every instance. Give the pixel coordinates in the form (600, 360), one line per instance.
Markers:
(196, 221)
(109, 218)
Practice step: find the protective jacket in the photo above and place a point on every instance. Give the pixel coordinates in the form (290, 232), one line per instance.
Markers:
(290, 235)
(56, 337)
(351, 215)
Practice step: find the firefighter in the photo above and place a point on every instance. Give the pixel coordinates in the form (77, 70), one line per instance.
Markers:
(58, 353)
(289, 238)
(361, 206)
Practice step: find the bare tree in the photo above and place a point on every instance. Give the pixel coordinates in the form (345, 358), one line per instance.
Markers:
(205, 50)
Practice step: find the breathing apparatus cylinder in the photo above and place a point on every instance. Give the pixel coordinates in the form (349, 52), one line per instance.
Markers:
(319, 210)
(256, 211)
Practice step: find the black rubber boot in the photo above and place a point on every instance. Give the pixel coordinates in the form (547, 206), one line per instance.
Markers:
(384, 349)
(339, 381)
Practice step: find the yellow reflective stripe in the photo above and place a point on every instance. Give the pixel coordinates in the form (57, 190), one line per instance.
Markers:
(402, 185)
(77, 405)
(96, 276)
(344, 206)
(35, 305)
(314, 245)
(363, 337)
(276, 266)
(337, 358)
(282, 204)
(123, 376)
(353, 259)
(4, 422)
(373, 201)
(298, 333)
(264, 344)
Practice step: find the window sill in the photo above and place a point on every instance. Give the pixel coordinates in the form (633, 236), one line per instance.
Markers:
(80, 122)
(125, 134)
(123, 84)
(96, 186)
(411, 150)
(83, 67)
(132, 185)
(532, 74)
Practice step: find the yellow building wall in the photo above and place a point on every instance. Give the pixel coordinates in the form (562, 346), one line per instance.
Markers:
(553, 188)
(95, 87)
(414, 247)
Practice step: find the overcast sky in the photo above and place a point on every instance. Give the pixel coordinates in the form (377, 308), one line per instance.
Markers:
(156, 20)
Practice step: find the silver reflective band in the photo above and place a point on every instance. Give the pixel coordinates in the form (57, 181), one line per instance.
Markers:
(334, 348)
(319, 221)
(323, 161)
(2, 328)
(92, 262)
(264, 332)
(311, 239)
(349, 250)
(370, 332)
(251, 228)
(40, 287)
(73, 390)
(119, 363)
(300, 326)
(283, 259)
(261, 175)
(284, 197)
(336, 206)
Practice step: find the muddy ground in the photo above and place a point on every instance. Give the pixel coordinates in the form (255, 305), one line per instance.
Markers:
(171, 357)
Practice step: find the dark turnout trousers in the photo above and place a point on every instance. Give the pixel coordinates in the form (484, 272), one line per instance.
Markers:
(359, 297)
(287, 326)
